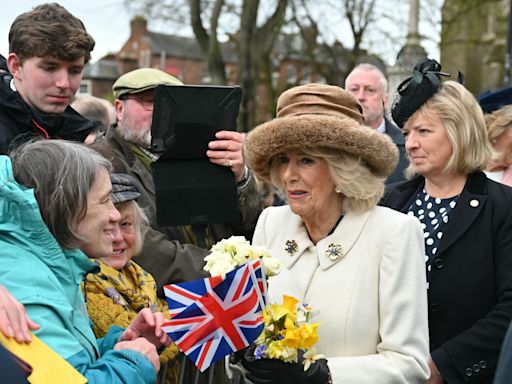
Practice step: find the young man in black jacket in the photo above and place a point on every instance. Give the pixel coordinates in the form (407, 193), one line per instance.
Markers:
(48, 49)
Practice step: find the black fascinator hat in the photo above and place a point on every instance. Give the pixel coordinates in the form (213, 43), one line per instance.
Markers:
(416, 90)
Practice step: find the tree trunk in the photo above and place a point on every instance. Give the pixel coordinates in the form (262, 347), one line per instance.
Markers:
(209, 43)
(254, 45)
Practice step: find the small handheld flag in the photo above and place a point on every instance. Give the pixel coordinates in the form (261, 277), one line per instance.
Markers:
(213, 317)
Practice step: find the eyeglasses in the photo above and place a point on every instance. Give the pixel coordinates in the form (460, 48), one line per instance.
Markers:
(146, 101)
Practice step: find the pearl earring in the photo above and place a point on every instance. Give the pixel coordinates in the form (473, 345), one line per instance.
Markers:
(337, 190)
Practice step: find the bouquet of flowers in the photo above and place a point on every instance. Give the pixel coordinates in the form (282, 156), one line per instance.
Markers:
(230, 253)
(288, 331)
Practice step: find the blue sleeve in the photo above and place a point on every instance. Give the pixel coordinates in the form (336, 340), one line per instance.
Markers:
(126, 366)
(107, 343)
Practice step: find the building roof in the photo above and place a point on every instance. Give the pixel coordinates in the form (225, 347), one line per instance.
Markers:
(103, 69)
(184, 47)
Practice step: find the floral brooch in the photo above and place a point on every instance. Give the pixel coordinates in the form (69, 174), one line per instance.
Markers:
(291, 247)
(334, 251)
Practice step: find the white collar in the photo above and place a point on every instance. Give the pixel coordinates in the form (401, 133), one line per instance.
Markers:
(382, 127)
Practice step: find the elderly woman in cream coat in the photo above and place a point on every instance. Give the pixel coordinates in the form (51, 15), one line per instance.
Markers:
(360, 265)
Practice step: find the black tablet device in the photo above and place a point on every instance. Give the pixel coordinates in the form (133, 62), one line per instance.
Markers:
(189, 188)
(186, 117)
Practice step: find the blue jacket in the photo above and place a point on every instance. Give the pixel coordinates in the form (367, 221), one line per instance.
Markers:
(46, 280)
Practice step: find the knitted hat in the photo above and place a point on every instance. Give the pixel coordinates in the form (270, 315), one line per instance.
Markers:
(123, 188)
(318, 115)
(141, 80)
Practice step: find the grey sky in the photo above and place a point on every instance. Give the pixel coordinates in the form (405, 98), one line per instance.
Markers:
(108, 22)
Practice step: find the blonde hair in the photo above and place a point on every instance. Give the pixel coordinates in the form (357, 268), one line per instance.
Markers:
(360, 188)
(498, 121)
(464, 122)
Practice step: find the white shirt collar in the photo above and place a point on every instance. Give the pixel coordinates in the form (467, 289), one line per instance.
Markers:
(382, 127)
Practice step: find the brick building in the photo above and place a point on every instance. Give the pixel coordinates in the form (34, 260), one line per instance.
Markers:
(182, 57)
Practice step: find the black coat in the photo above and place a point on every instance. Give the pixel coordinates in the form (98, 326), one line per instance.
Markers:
(470, 293)
(398, 138)
(17, 120)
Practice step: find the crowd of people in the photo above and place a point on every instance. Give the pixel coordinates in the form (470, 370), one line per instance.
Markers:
(399, 234)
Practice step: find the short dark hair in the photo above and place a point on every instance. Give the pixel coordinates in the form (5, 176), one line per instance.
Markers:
(61, 174)
(49, 29)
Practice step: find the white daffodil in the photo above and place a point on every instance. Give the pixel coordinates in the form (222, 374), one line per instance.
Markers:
(310, 357)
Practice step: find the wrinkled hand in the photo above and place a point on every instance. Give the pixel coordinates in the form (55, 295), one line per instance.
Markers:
(14, 321)
(149, 326)
(226, 150)
(275, 371)
(143, 346)
(435, 375)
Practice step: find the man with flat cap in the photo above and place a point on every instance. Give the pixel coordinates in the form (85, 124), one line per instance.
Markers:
(172, 254)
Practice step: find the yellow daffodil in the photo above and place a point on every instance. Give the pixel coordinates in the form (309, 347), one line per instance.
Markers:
(292, 338)
(284, 335)
(308, 335)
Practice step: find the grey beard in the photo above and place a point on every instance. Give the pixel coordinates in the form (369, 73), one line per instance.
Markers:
(140, 138)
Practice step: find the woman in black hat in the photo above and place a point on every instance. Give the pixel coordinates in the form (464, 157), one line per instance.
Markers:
(466, 220)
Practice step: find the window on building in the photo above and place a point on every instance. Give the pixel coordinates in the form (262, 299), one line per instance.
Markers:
(306, 75)
(85, 88)
(291, 75)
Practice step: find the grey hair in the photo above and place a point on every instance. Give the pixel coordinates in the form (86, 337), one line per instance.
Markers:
(141, 221)
(61, 174)
(367, 67)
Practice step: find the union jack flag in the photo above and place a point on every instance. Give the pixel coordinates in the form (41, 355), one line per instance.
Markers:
(213, 317)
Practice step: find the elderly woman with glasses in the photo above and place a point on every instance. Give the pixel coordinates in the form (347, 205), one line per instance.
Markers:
(466, 220)
(358, 264)
(121, 288)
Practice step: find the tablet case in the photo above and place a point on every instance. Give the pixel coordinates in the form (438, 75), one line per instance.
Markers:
(189, 188)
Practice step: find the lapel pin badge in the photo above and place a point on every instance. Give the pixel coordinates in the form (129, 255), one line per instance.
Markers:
(334, 251)
(291, 247)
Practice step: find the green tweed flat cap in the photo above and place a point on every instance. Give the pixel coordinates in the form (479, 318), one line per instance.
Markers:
(140, 80)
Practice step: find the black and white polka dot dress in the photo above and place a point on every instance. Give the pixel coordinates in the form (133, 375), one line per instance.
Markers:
(433, 214)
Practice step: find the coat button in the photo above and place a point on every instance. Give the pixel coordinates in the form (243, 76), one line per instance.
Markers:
(434, 307)
(438, 263)
(474, 203)
(483, 364)
(476, 368)
(468, 372)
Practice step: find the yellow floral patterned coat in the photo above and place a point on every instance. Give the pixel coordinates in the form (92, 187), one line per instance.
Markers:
(115, 297)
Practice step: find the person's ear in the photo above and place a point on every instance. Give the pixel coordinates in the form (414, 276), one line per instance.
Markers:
(385, 101)
(14, 65)
(119, 107)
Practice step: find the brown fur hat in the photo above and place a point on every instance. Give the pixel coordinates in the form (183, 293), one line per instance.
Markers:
(318, 115)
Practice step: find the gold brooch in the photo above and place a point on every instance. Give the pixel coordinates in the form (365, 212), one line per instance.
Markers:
(334, 251)
(291, 247)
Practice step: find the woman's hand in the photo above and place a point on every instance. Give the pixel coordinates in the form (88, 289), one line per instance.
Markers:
(226, 150)
(14, 321)
(149, 326)
(143, 346)
(435, 375)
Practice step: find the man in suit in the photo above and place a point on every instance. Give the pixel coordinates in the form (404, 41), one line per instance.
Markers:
(369, 85)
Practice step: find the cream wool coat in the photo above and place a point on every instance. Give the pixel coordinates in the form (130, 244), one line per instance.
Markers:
(372, 301)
